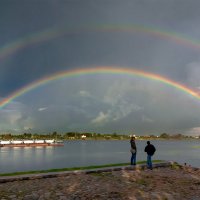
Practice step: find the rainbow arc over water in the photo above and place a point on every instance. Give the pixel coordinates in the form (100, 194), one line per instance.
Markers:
(98, 70)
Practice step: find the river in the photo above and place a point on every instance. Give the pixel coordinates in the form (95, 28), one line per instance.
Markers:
(76, 153)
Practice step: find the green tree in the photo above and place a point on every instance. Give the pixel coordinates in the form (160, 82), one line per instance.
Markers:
(164, 135)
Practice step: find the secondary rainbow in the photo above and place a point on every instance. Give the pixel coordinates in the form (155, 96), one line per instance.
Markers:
(50, 34)
(98, 70)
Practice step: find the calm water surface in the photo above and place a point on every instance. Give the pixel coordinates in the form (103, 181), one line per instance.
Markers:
(84, 153)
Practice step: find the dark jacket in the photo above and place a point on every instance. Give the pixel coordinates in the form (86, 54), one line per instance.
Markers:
(133, 145)
(150, 149)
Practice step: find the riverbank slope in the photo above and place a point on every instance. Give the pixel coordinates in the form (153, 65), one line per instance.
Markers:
(172, 182)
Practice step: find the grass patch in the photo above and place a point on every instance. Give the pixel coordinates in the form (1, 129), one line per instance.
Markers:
(176, 166)
(196, 147)
(72, 168)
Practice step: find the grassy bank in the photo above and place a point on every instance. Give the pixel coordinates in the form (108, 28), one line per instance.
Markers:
(72, 168)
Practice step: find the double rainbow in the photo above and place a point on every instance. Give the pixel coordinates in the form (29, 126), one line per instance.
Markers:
(49, 34)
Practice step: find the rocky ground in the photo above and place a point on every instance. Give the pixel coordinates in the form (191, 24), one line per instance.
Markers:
(160, 183)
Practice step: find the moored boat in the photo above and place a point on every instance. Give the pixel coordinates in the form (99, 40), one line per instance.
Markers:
(29, 143)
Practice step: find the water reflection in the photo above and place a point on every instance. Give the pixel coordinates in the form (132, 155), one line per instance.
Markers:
(84, 153)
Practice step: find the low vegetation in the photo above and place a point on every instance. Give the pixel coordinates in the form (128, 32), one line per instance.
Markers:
(72, 168)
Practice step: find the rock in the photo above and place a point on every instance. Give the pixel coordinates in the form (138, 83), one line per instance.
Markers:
(62, 198)
(156, 195)
(59, 194)
(41, 198)
(31, 197)
(35, 195)
(47, 195)
(12, 196)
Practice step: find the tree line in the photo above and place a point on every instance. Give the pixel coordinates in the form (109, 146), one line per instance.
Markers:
(76, 135)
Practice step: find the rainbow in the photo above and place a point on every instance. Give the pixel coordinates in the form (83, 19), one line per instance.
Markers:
(98, 70)
(49, 34)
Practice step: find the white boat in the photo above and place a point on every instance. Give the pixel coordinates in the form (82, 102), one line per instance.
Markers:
(5, 142)
(29, 143)
(39, 141)
(50, 141)
(17, 142)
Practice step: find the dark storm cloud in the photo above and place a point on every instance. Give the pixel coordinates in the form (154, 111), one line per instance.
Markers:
(77, 50)
(95, 104)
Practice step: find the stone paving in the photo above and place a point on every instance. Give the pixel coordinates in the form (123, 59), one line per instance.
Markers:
(161, 183)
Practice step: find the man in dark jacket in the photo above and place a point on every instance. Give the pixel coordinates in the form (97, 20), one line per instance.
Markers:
(133, 151)
(150, 150)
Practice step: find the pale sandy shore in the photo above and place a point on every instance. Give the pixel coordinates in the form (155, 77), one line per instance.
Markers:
(159, 183)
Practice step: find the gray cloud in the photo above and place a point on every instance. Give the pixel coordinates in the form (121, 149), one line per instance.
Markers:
(119, 104)
(101, 103)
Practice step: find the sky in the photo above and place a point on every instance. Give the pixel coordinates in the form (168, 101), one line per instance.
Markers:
(39, 39)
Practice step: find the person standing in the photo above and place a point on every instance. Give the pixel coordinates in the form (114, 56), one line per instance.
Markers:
(150, 150)
(133, 151)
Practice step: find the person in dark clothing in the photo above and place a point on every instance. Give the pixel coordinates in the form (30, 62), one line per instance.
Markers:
(150, 150)
(133, 151)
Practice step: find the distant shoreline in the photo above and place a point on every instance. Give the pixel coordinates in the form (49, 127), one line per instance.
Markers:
(93, 136)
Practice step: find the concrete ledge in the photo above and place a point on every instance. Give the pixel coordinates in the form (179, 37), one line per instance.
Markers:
(5, 179)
